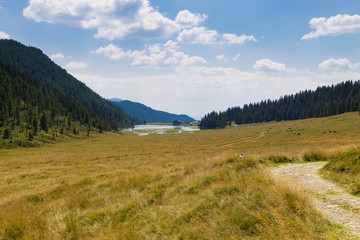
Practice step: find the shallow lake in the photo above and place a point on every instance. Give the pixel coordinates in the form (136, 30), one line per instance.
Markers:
(143, 130)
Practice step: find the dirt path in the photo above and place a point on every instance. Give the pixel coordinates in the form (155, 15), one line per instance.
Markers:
(330, 199)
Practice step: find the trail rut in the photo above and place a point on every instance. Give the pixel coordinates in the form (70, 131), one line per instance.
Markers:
(330, 199)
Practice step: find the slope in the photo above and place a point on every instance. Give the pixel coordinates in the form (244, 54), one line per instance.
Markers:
(144, 113)
(32, 64)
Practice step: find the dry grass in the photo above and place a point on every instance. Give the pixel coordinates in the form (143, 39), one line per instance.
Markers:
(344, 168)
(186, 186)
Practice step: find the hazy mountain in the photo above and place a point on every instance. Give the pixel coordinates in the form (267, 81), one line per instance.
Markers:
(142, 112)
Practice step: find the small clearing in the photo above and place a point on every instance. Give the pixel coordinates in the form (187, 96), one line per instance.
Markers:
(330, 199)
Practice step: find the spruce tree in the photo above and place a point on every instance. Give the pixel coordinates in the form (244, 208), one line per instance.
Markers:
(35, 125)
(6, 134)
(43, 123)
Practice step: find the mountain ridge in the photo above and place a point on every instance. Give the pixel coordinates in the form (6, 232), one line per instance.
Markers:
(150, 115)
(31, 63)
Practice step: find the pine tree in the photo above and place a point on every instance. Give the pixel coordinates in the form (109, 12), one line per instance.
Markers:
(31, 136)
(43, 123)
(6, 134)
(35, 125)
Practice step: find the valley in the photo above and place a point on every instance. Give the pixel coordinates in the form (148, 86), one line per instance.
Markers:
(162, 186)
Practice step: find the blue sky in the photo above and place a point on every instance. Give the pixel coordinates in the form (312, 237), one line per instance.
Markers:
(193, 57)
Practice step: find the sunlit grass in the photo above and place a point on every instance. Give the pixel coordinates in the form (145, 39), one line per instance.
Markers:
(113, 186)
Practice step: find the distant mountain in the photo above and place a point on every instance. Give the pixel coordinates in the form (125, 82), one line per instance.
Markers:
(142, 112)
(324, 101)
(34, 90)
(115, 100)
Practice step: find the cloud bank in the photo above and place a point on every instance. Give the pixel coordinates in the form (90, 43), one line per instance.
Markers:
(156, 55)
(113, 19)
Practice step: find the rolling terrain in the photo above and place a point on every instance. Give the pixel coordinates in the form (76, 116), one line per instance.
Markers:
(170, 186)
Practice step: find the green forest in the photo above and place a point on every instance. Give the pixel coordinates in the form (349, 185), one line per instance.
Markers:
(324, 101)
(38, 96)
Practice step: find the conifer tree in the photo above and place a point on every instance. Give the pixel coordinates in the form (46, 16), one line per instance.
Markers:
(43, 123)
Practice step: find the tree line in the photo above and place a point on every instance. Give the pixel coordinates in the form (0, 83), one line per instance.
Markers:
(324, 101)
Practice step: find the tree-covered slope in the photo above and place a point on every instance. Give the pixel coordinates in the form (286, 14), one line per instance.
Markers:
(40, 102)
(32, 64)
(144, 113)
(324, 101)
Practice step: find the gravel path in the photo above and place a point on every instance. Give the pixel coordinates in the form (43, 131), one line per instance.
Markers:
(331, 200)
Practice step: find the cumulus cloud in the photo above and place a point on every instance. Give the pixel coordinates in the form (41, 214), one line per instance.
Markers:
(187, 19)
(76, 65)
(113, 52)
(267, 65)
(221, 58)
(198, 35)
(157, 55)
(336, 25)
(56, 56)
(230, 38)
(202, 35)
(4, 35)
(113, 19)
(341, 64)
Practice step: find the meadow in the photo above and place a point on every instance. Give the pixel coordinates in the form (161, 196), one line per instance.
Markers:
(172, 186)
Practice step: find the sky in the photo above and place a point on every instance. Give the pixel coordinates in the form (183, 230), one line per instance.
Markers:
(193, 57)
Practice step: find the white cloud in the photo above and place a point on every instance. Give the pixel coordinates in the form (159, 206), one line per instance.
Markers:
(267, 65)
(341, 64)
(198, 35)
(56, 56)
(4, 35)
(202, 35)
(187, 19)
(157, 55)
(230, 38)
(111, 51)
(221, 58)
(76, 65)
(237, 57)
(113, 19)
(336, 25)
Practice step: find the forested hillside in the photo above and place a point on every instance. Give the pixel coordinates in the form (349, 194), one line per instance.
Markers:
(37, 95)
(324, 101)
(144, 113)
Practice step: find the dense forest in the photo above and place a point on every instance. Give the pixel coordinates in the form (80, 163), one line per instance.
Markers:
(37, 95)
(324, 101)
(149, 115)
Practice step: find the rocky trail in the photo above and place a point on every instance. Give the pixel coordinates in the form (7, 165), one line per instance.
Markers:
(330, 199)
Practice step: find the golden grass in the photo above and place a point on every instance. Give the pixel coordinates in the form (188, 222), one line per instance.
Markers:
(186, 186)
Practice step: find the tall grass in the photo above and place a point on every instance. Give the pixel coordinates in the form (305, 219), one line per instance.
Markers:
(185, 186)
(235, 198)
(345, 169)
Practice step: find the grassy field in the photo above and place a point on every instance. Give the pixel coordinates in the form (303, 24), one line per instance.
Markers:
(183, 186)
